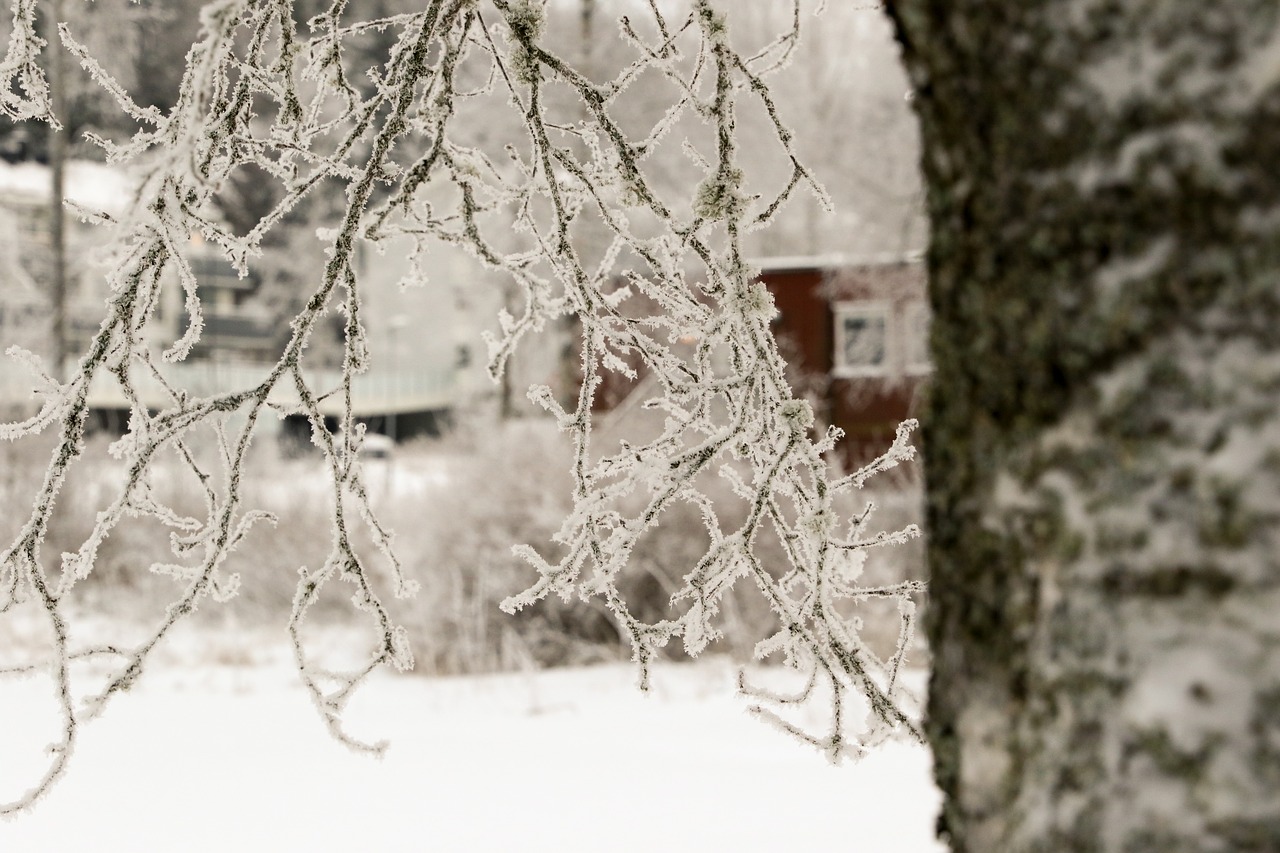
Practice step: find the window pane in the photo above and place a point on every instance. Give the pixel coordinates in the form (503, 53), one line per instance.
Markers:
(864, 341)
(862, 338)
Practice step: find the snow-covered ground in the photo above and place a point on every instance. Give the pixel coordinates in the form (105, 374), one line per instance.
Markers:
(217, 757)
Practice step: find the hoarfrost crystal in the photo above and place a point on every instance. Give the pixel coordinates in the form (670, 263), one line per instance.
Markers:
(257, 91)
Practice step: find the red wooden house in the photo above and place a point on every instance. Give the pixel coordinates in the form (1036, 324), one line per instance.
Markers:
(854, 332)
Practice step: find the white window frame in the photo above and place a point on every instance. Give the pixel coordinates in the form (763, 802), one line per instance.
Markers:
(868, 309)
(915, 323)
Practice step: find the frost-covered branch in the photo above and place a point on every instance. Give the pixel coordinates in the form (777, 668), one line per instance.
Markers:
(670, 270)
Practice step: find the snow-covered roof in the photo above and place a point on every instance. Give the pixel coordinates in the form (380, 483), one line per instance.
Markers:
(833, 261)
(96, 186)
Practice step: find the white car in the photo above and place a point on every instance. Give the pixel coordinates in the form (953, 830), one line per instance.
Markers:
(376, 445)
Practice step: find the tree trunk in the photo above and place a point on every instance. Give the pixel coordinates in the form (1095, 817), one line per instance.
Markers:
(57, 171)
(1102, 441)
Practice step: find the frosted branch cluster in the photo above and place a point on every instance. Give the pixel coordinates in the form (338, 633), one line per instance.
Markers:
(667, 292)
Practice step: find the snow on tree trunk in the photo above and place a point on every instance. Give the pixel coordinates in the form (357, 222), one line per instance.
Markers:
(1102, 441)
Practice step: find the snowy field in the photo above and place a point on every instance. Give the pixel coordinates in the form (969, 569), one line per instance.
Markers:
(205, 756)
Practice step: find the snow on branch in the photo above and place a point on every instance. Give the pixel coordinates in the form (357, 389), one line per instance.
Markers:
(258, 91)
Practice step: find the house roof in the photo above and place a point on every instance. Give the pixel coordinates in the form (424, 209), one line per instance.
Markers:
(833, 261)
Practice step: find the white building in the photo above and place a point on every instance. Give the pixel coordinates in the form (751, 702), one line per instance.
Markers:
(426, 354)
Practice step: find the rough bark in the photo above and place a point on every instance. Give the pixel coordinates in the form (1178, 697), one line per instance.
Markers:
(1102, 441)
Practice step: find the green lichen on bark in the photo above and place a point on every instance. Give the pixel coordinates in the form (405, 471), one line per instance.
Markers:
(1105, 287)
